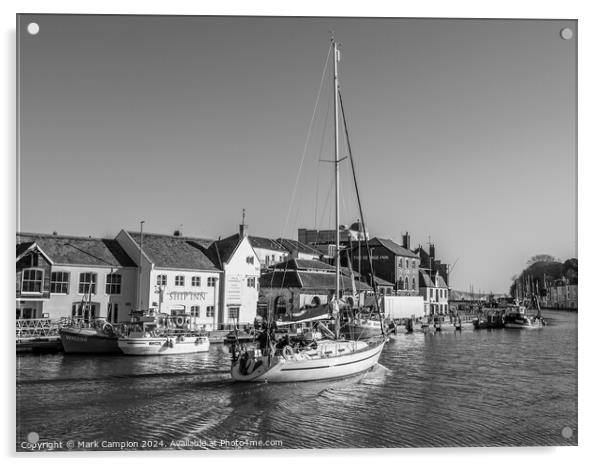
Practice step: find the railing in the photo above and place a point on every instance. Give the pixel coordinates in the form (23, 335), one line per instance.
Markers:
(36, 328)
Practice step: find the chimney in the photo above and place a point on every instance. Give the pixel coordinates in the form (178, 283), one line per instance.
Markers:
(406, 241)
(177, 233)
(432, 251)
(243, 230)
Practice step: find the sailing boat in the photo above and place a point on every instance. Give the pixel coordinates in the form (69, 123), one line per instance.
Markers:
(271, 361)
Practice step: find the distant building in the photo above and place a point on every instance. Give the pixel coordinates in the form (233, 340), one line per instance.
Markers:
(297, 284)
(560, 294)
(434, 292)
(299, 250)
(353, 232)
(390, 262)
(73, 277)
(268, 251)
(429, 262)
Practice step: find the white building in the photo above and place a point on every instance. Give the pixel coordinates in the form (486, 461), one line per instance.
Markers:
(176, 276)
(434, 292)
(241, 268)
(268, 251)
(73, 277)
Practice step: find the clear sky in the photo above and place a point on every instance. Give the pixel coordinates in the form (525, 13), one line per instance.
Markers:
(463, 131)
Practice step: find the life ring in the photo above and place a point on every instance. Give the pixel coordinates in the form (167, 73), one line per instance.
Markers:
(288, 351)
(107, 328)
(180, 321)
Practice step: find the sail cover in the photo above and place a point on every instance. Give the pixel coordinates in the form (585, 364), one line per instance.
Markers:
(310, 314)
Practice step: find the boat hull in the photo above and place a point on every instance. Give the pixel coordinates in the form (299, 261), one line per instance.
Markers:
(84, 340)
(280, 369)
(151, 346)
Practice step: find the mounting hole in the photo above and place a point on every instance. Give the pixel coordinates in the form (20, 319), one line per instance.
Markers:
(566, 33)
(567, 432)
(33, 28)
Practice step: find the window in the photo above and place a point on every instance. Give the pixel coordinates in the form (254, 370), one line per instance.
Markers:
(431, 292)
(233, 313)
(196, 281)
(87, 283)
(59, 282)
(413, 264)
(162, 280)
(113, 312)
(32, 281)
(407, 284)
(251, 282)
(179, 280)
(210, 311)
(407, 263)
(113, 285)
(195, 311)
(251, 259)
(413, 283)
(211, 281)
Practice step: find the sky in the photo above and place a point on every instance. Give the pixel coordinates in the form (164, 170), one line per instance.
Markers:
(463, 131)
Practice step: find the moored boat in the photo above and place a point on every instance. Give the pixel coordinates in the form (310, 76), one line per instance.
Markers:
(151, 335)
(516, 317)
(100, 337)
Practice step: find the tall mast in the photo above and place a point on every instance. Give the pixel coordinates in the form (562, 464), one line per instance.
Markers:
(140, 269)
(336, 177)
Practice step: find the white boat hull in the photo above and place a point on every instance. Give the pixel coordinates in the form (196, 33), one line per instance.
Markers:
(148, 346)
(288, 368)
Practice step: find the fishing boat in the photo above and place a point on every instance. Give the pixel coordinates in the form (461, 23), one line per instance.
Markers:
(268, 360)
(99, 337)
(516, 317)
(161, 335)
(83, 336)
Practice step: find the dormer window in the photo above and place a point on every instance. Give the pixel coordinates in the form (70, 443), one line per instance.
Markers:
(32, 281)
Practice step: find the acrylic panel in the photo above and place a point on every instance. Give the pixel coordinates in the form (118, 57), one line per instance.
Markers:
(295, 232)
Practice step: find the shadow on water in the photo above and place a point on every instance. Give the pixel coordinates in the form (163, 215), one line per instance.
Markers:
(468, 388)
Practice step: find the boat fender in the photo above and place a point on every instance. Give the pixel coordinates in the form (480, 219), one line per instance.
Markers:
(170, 342)
(180, 321)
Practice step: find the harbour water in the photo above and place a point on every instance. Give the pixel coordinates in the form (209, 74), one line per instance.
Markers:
(470, 388)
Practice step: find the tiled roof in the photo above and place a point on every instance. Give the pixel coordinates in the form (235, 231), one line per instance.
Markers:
(174, 252)
(221, 251)
(392, 246)
(279, 279)
(424, 280)
(326, 281)
(265, 243)
(303, 264)
(22, 247)
(292, 278)
(79, 250)
(292, 245)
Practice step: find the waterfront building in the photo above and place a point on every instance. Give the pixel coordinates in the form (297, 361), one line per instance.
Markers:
(390, 262)
(435, 293)
(268, 251)
(428, 260)
(312, 237)
(560, 294)
(299, 250)
(176, 276)
(297, 284)
(239, 287)
(73, 277)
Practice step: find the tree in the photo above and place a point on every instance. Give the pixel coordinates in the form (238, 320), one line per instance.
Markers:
(540, 258)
